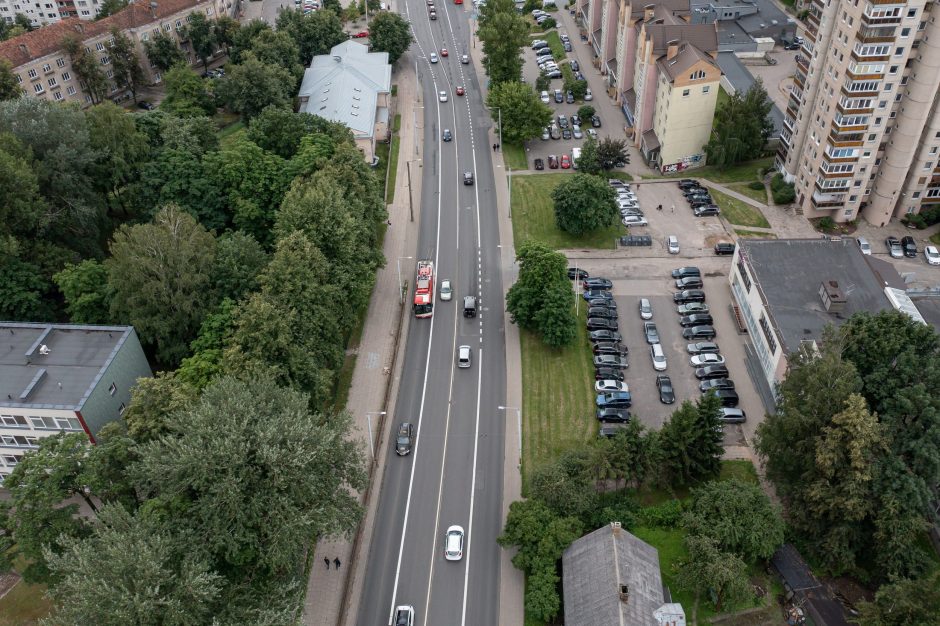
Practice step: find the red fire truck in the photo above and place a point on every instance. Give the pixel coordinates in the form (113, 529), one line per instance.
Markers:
(424, 289)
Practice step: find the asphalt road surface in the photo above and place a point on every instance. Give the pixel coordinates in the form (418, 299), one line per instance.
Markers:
(454, 473)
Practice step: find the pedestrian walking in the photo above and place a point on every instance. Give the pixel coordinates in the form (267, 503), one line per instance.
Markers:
(336, 562)
(494, 147)
(326, 560)
(497, 147)
(673, 209)
(389, 222)
(659, 207)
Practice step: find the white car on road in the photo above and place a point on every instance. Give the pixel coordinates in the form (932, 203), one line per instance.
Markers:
(433, 57)
(453, 543)
(446, 291)
(442, 96)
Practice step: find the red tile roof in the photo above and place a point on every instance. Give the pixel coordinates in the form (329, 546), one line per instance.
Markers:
(48, 39)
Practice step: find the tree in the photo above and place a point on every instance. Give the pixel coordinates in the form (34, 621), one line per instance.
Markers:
(251, 86)
(187, 95)
(9, 87)
(163, 52)
(536, 301)
(153, 400)
(202, 37)
(741, 127)
(503, 33)
(125, 63)
(588, 162)
(738, 516)
(520, 111)
(23, 291)
(87, 69)
(315, 33)
(110, 7)
(255, 492)
(904, 602)
(690, 442)
(239, 260)
(226, 30)
(541, 595)
(586, 111)
(706, 568)
(584, 203)
(611, 153)
(132, 569)
(565, 485)
(390, 32)
(281, 131)
(160, 274)
(243, 37)
(87, 296)
(23, 210)
(121, 151)
(633, 453)
(280, 49)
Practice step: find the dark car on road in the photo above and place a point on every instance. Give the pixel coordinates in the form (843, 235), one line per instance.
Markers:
(595, 121)
(404, 439)
(468, 178)
(909, 247)
(611, 360)
(685, 272)
(608, 373)
(651, 332)
(689, 295)
(702, 347)
(602, 323)
(724, 248)
(666, 394)
(596, 283)
(605, 335)
(689, 282)
(699, 332)
(576, 273)
(696, 319)
(715, 383)
(602, 311)
(613, 415)
(711, 371)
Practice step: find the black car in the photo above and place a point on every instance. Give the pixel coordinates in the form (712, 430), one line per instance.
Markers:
(651, 332)
(666, 394)
(609, 347)
(404, 439)
(608, 373)
(576, 273)
(689, 295)
(565, 134)
(711, 371)
(706, 211)
(686, 181)
(595, 121)
(596, 283)
(616, 416)
(574, 66)
(575, 118)
(539, 164)
(602, 323)
(728, 397)
(696, 319)
(569, 97)
(689, 282)
(689, 192)
(147, 106)
(604, 335)
(715, 383)
(702, 347)
(697, 202)
(722, 249)
(909, 247)
(562, 121)
(468, 178)
(684, 272)
(602, 311)
(699, 332)
(593, 294)
(607, 304)
(447, 135)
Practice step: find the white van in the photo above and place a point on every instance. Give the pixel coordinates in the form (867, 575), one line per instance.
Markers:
(463, 356)
(575, 155)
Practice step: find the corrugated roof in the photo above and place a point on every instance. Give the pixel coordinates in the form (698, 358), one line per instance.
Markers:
(343, 86)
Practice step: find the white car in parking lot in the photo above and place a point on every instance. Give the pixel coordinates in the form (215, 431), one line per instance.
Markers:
(606, 386)
(701, 360)
(544, 97)
(658, 356)
(588, 96)
(932, 255)
(634, 220)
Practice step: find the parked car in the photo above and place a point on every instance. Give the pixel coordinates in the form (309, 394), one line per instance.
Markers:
(634, 220)
(684, 272)
(588, 95)
(658, 357)
(727, 397)
(711, 371)
(672, 244)
(614, 399)
(566, 135)
(544, 97)
(894, 247)
(607, 304)
(145, 105)
(609, 385)
(709, 210)
(689, 282)
(465, 59)
(608, 373)
(593, 294)
(651, 332)
(604, 335)
(691, 308)
(602, 311)
(909, 247)
(553, 74)
(552, 162)
(699, 332)
(539, 164)
(732, 415)
(576, 131)
(555, 132)
(590, 284)
(932, 255)
(715, 383)
(724, 248)
(576, 273)
(863, 245)
(688, 295)
(613, 415)
(609, 431)
(559, 98)
(575, 119)
(611, 360)
(646, 309)
(596, 121)
(712, 358)
(569, 97)
(404, 439)
(565, 162)
(666, 393)
(602, 323)
(696, 319)
(702, 347)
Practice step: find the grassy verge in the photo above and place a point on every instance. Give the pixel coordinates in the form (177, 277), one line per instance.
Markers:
(753, 234)
(737, 212)
(758, 195)
(533, 216)
(392, 170)
(345, 374)
(514, 156)
(558, 48)
(24, 604)
(557, 398)
(935, 239)
(741, 173)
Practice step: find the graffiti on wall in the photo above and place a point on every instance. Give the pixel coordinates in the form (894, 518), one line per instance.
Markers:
(690, 161)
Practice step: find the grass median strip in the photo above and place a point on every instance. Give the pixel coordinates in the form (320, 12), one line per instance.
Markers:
(753, 234)
(514, 156)
(738, 212)
(533, 216)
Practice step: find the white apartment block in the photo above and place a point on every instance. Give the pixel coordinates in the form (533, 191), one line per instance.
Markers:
(44, 12)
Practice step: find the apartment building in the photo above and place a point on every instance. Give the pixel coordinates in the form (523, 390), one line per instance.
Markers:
(44, 12)
(44, 69)
(862, 128)
(58, 378)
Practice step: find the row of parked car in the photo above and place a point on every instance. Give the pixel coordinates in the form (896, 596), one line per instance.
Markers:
(698, 198)
(904, 247)
(628, 204)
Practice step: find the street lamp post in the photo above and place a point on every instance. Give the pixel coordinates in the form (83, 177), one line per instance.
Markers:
(518, 425)
(401, 291)
(499, 122)
(369, 420)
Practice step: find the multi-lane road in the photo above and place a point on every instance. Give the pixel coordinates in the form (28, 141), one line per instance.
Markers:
(454, 473)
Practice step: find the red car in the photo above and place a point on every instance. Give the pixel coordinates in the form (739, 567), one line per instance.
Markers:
(460, 91)
(565, 162)
(443, 52)
(361, 34)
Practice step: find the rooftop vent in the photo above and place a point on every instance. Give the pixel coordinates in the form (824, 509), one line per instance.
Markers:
(832, 297)
(624, 593)
(44, 350)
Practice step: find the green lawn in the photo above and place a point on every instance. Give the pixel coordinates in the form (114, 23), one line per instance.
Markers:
(760, 195)
(671, 547)
(533, 216)
(558, 48)
(514, 156)
(25, 604)
(557, 397)
(737, 212)
(741, 173)
(752, 234)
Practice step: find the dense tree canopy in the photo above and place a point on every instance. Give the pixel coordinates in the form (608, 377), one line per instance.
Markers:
(503, 32)
(542, 300)
(519, 109)
(584, 203)
(390, 32)
(690, 442)
(741, 127)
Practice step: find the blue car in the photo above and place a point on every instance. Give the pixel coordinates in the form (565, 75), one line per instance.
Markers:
(614, 399)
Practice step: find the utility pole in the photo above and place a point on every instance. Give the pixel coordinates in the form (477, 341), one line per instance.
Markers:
(411, 206)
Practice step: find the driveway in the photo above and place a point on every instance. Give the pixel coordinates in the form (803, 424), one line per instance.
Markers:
(778, 79)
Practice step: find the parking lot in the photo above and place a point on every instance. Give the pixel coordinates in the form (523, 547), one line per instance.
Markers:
(697, 235)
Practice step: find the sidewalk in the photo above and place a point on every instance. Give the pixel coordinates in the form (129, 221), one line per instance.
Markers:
(332, 596)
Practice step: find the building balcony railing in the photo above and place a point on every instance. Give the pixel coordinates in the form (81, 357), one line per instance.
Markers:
(803, 62)
(828, 200)
(789, 122)
(846, 143)
(843, 131)
(880, 21)
(876, 35)
(799, 79)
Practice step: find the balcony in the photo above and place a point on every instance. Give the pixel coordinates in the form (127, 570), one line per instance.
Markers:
(861, 89)
(810, 33)
(785, 137)
(846, 140)
(799, 79)
(803, 62)
(843, 130)
(876, 35)
(826, 200)
(789, 122)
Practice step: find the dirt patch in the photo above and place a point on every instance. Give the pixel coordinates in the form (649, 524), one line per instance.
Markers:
(7, 582)
(837, 228)
(711, 240)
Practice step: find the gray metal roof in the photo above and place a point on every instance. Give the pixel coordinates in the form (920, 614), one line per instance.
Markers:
(741, 79)
(343, 86)
(789, 273)
(65, 376)
(594, 568)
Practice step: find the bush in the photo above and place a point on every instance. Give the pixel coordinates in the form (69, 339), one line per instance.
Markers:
(782, 191)
(827, 223)
(585, 113)
(614, 506)
(665, 515)
(549, 23)
(916, 220)
(756, 185)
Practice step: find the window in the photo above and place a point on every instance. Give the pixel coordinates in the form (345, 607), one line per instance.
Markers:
(866, 154)
(122, 409)
(19, 79)
(877, 123)
(847, 213)
(928, 165)
(70, 90)
(916, 194)
(898, 52)
(145, 37)
(872, 136)
(697, 75)
(60, 62)
(52, 81)
(11, 459)
(706, 89)
(893, 69)
(15, 421)
(905, 32)
(167, 27)
(46, 67)
(112, 389)
(744, 276)
(882, 104)
(685, 93)
(933, 150)
(99, 46)
(38, 88)
(66, 76)
(853, 198)
(912, 13)
(105, 60)
(32, 73)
